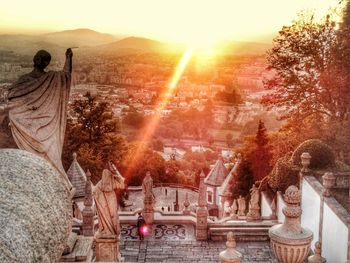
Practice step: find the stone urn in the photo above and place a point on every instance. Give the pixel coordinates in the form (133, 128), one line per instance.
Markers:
(328, 180)
(290, 242)
(305, 162)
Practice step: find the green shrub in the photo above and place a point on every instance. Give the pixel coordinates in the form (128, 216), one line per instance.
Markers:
(283, 174)
(322, 155)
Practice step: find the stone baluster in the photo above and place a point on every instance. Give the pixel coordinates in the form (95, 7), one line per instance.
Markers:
(230, 255)
(186, 204)
(290, 241)
(317, 258)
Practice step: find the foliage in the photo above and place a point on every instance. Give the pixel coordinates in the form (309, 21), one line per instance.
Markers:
(243, 180)
(305, 58)
(134, 119)
(283, 174)
(234, 97)
(322, 155)
(94, 136)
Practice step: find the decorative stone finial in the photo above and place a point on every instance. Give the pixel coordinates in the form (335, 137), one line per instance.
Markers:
(328, 182)
(291, 242)
(305, 162)
(317, 258)
(230, 255)
(74, 156)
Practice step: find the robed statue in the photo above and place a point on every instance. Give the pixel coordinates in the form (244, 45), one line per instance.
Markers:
(37, 109)
(106, 202)
(147, 186)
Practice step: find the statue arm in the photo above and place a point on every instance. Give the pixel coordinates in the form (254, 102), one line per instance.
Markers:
(68, 64)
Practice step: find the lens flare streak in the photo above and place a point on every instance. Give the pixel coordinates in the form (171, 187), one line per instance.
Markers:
(147, 132)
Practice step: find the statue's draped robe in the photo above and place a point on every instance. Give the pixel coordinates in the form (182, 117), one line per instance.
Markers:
(107, 204)
(38, 114)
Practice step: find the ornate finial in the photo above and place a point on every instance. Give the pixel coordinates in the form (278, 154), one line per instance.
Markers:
(88, 175)
(317, 258)
(230, 254)
(305, 161)
(202, 175)
(292, 195)
(74, 156)
(231, 242)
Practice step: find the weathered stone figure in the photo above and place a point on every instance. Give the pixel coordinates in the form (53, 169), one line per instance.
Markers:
(148, 201)
(254, 197)
(147, 186)
(241, 206)
(37, 105)
(234, 208)
(107, 203)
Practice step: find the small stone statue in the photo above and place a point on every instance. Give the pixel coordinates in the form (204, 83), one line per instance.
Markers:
(147, 186)
(234, 208)
(241, 206)
(107, 203)
(254, 197)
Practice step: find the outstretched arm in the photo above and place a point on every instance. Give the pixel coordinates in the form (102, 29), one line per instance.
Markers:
(68, 64)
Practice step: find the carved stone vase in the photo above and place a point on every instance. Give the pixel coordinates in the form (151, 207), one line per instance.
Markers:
(290, 242)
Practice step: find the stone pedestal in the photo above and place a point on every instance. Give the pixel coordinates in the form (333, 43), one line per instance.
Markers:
(230, 255)
(107, 249)
(202, 224)
(253, 214)
(148, 210)
(290, 242)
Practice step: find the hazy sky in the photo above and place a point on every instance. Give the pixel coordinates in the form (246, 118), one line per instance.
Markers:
(173, 20)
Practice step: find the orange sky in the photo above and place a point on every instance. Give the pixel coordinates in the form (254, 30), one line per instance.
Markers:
(186, 21)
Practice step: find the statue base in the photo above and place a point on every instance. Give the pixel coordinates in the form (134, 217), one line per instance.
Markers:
(253, 214)
(107, 249)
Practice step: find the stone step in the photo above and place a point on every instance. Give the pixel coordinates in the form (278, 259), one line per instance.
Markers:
(72, 239)
(241, 233)
(82, 251)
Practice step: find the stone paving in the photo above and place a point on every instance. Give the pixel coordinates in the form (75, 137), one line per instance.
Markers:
(176, 243)
(191, 251)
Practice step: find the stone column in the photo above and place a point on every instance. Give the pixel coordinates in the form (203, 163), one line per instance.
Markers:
(88, 213)
(317, 258)
(290, 242)
(202, 211)
(230, 255)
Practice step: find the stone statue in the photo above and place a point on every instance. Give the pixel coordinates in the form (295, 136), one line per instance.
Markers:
(147, 186)
(254, 197)
(37, 109)
(254, 208)
(241, 206)
(234, 208)
(107, 204)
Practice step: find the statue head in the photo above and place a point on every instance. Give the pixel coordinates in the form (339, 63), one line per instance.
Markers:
(42, 59)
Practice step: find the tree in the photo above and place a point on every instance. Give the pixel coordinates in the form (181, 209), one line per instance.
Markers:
(243, 180)
(305, 58)
(94, 136)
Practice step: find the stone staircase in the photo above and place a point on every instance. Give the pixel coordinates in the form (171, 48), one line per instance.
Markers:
(243, 231)
(78, 249)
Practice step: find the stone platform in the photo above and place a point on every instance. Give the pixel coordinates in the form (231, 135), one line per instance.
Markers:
(176, 243)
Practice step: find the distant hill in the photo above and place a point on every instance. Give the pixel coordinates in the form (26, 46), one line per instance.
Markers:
(94, 42)
(78, 37)
(137, 44)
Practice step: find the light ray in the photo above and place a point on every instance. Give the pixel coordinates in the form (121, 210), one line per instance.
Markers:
(147, 132)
